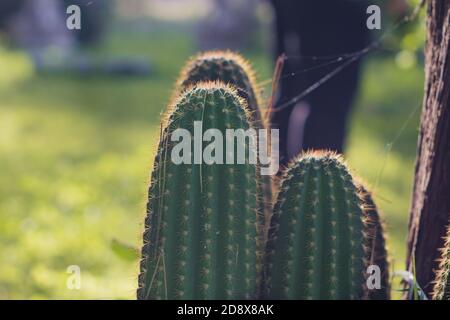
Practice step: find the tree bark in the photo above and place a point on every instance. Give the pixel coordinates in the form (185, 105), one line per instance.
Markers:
(430, 210)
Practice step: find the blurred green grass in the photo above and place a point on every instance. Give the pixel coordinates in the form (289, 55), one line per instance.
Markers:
(76, 153)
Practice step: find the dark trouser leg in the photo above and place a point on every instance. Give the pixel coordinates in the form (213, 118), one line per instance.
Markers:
(326, 125)
(323, 28)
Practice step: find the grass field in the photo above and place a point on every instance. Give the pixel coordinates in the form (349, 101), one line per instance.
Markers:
(76, 153)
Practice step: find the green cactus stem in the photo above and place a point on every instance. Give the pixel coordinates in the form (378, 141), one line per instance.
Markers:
(231, 68)
(202, 236)
(441, 290)
(316, 239)
(227, 67)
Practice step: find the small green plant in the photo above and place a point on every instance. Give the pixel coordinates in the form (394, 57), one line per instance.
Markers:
(317, 245)
(442, 283)
(202, 230)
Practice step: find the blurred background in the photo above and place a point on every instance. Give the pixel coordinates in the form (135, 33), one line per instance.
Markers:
(79, 124)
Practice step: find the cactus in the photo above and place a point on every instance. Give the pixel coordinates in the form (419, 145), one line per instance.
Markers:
(376, 253)
(202, 237)
(441, 289)
(227, 67)
(316, 239)
(231, 68)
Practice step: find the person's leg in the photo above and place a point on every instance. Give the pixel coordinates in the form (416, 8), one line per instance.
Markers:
(326, 125)
(332, 28)
(323, 28)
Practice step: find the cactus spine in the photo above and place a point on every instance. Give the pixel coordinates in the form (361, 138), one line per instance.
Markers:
(315, 246)
(201, 238)
(376, 253)
(441, 289)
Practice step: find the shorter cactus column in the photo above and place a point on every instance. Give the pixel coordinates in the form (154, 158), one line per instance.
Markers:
(441, 289)
(316, 241)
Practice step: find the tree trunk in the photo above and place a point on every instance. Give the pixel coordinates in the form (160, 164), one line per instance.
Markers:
(430, 211)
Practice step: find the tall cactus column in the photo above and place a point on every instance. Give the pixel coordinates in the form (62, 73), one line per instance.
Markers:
(232, 69)
(315, 248)
(201, 239)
